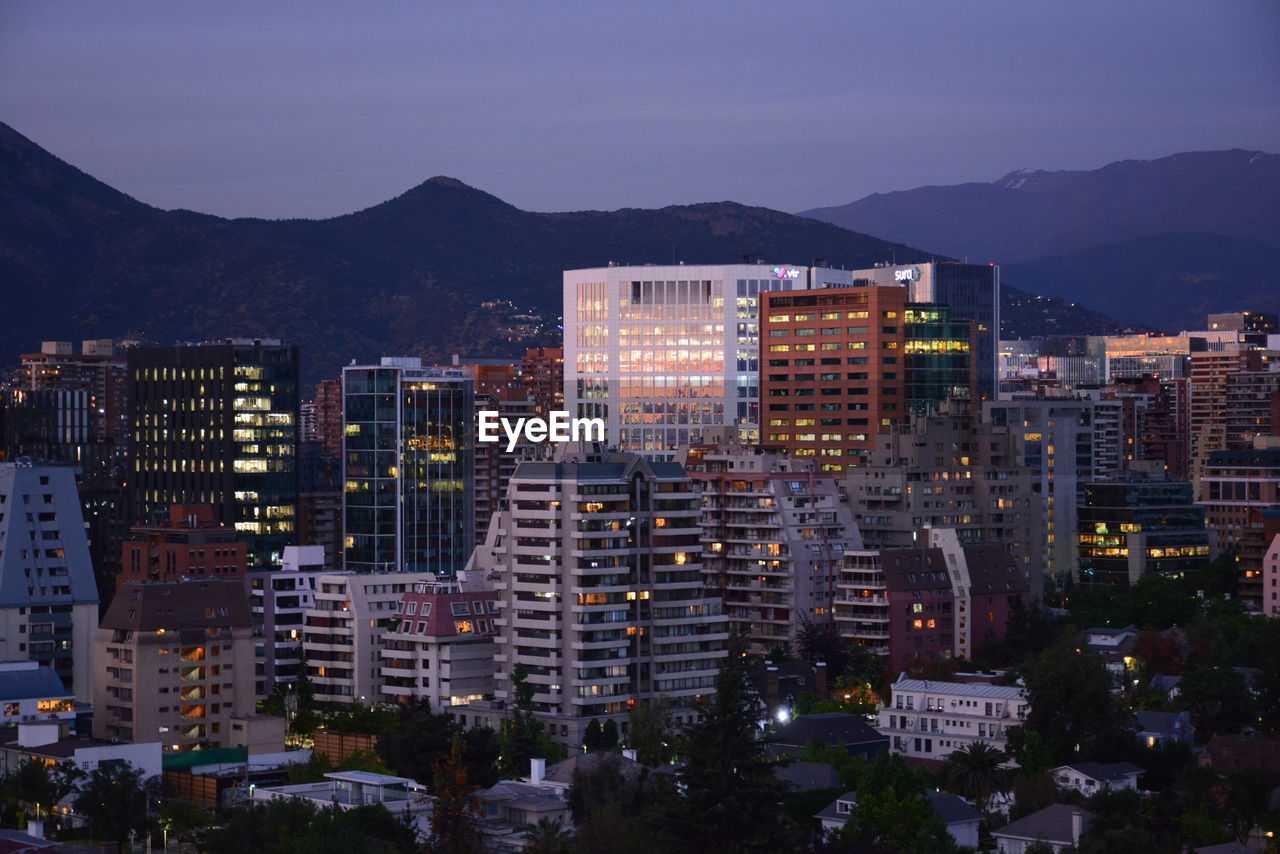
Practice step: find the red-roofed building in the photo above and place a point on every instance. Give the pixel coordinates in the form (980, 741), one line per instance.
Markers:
(441, 648)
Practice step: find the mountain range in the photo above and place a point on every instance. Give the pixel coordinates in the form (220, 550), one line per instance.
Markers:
(1159, 242)
(418, 274)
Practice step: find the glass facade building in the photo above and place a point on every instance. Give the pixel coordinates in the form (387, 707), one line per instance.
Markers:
(1128, 530)
(408, 481)
(663, 352)
(937, 357)
(970, 291)
(217, 423)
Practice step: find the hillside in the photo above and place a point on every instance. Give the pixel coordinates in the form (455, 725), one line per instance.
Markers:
(79, 259)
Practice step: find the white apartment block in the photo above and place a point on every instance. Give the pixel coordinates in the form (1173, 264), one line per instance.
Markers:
(344, 630)
(930, 720)
(774, 531)
(662, 352)
(597, 563)
(441, 646)
(280, 600)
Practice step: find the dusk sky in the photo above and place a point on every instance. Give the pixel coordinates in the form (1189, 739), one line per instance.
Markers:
(316, 108)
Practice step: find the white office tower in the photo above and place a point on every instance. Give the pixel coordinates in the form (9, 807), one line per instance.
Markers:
(597, 563)
(663, 352)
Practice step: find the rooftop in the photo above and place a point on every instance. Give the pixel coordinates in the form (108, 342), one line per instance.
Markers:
(1052, 824)
(960, 689)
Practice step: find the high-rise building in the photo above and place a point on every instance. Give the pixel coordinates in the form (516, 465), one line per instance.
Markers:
(217, 423)
(773, 533)
(408, 501)
(494, 464)
(1156, 421)
(1209, 372)
(1133, 526)
(328, 406)
(663, 352)
(98, 370)
(950, 469)
(597, 562)
(1237, 487)
(1067, 442)
(48, 599)
(189, 544)
(1253, 402)
(970, 291)
(320, 502)
(174, 663)
(542, 372)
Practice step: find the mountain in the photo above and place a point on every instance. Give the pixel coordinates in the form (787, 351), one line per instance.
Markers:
(1187, 276)
(1027, 215)
(442, 268)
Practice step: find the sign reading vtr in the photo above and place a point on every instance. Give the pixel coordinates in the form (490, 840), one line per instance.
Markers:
(492, 426)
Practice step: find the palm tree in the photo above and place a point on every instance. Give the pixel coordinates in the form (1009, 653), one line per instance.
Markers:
(975, 772)
(548, 836)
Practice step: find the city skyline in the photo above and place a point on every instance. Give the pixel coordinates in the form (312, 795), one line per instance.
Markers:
(244, 111)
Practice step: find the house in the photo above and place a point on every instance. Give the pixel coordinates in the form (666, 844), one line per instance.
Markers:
(961, 819)
(51, 742)
(1157, 728)
(830, 728)
(559, 777)
(931, 720)
(1057, 825)
(1167, 685)
(348, 789)
(1089, 778)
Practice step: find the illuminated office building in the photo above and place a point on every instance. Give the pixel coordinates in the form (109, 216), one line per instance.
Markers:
(663, 352)
(408, 479)
(971, 291)
(217, 423)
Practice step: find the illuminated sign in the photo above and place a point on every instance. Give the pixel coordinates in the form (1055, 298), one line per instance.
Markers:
(785, 273)
(911, 274)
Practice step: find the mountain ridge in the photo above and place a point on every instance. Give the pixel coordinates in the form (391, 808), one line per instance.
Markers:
(416, 274)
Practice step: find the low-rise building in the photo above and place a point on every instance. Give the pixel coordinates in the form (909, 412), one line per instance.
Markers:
(400, 795)
(1059, 826)
(30, 691)
(930, 720)
(51, 742)
(1159, 728)
(1089, 778)
(831, 728)
(441, 645)
(962, 820)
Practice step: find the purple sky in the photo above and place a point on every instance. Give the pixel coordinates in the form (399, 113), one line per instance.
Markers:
(318, 108)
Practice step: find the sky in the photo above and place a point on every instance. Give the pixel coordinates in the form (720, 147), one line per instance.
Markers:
(310, 108)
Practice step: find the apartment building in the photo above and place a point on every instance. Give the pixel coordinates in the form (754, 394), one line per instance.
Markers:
(542, 374)
(279, 601)
(950, 469)
(1066, 442)
(174, 663)
(344, 631)
(597, 563)
(1238, 489)
(929, 720)
(440, 647)
(48, 598)
(774, 531)
(189, 544)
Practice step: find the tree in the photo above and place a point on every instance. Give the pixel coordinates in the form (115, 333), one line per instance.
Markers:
(114, 802)
(456, 813)
(1218, 698)
(420, 739)
(649, 731)
(40, 786)
(289, 825)
(609, 735)
(548, 836)
(1072, 708)
(891, 814)
(732, 798)
(591, 736)
(974, 772)
(522, 736)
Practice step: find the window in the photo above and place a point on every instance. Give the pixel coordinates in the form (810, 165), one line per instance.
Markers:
(460, 609)
(413, 608)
